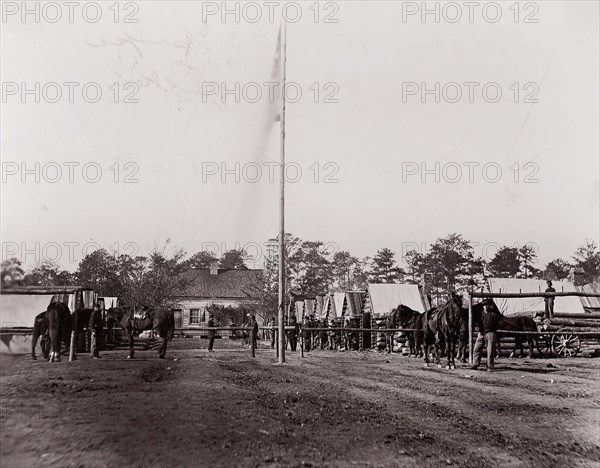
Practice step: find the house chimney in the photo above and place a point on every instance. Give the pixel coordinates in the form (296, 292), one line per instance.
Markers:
(214, 268)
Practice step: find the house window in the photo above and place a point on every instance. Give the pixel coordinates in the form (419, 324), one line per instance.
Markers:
(204, 314)
(194, 316)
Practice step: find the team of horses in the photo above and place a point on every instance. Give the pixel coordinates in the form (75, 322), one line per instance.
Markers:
(54, 326)
(445, 330)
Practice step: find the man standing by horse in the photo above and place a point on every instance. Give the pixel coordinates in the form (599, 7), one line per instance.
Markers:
(95, 327)
(488, 326)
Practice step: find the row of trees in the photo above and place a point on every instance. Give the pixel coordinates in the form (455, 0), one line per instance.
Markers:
(450, 263)
(311, 269)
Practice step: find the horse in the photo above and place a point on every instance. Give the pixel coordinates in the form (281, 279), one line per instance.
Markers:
(40, 329)
(444, 324)
(407, 318)
(160, 320)
(58, 317)
(519, 323)
(80, 320)
(425, 338)
(391, 321)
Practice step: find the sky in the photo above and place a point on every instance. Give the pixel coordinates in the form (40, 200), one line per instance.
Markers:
(374, 159)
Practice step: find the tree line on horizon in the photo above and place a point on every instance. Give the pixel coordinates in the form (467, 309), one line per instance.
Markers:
(311, 270)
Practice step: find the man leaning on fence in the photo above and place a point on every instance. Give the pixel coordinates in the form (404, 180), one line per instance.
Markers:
(95, 327)
(488, 326)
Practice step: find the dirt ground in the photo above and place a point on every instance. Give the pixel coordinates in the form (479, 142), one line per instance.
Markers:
(333, 409)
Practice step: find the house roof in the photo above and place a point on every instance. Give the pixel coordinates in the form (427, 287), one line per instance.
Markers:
(226, 284)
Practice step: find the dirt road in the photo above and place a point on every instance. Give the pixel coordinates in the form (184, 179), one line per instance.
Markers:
(328, 409)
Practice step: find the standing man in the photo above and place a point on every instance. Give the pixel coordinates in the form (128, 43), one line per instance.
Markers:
(306, 334)
(253, 334)
(211, 332)
(488, 326)
(272, 332)
(293, 334)
(95, 327)
(549, 301)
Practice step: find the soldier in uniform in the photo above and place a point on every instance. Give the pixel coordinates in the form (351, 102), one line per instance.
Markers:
(95, 327)
(323, 338)
(253, 333)
(272, 332)
(211, 332)
(306, 334)
(293, 334)
(549, 301)
(488, 326)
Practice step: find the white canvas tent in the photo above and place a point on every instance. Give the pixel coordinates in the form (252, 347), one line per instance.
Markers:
(19, 310)
(353, 303)
(299, 310)
(338, 303)
(531, 305)
(383, 298)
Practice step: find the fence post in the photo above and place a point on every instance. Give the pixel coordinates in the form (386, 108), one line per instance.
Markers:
(73, 344)
(470, 329)
(301, 344)
(72, 347)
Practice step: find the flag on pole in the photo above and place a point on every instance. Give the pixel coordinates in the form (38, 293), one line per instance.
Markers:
(277, 79)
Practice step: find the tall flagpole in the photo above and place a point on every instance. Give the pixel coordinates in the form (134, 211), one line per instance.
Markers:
(281, 343)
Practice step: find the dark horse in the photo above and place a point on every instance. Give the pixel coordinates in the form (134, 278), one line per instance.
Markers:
(444, 325)
(519, 323)
(40, 329)
(424, 337)
(162, 321)
(58, 318)
(80, 320)
(391, 321)
(403, 317)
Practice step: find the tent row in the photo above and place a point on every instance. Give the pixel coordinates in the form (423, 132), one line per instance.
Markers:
(377, 301)
(380, 299)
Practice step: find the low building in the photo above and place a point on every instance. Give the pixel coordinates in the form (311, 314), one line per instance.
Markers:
(213, 286)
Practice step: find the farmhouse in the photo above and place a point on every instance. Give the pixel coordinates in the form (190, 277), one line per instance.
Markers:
(214, 286)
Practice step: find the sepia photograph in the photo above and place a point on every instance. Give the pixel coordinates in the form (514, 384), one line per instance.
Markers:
(272, 234)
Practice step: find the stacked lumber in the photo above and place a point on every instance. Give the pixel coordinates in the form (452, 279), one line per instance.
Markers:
(379, 322)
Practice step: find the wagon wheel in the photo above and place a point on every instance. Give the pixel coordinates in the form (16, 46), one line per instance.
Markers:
(565, 343)
(545, 345)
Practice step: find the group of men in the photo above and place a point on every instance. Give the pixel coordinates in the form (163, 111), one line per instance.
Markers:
(313, 334)
(252, 332)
